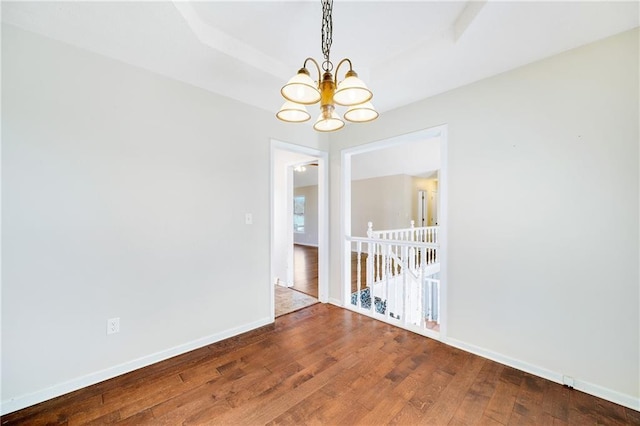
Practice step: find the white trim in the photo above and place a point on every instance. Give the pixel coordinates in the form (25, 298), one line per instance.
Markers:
(443, 224)
(20, 402)
(554, 376)
(289, 227)
(345, 224)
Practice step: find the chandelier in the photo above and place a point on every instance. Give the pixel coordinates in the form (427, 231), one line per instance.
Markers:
(351, 92)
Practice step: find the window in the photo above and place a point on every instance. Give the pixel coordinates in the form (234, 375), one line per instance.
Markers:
(298, 214)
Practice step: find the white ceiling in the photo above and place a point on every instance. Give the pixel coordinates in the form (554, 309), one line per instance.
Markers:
(405, 51)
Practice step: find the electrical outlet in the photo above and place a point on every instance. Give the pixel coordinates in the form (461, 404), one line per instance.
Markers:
(113, 325)
(568, 381)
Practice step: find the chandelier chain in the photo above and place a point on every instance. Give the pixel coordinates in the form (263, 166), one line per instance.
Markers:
(327, 33)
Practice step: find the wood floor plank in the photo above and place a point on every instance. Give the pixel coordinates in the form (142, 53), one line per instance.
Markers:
(556, 401)
(143, 417)
(384, 410)
(479, 394)
(304, 411)
(488, 421)
(61, 413)
(444, 408)
(208, 415)
(269, 408)
(305, 269)
(633, 417)
(528, 406)
(112, 417)
(331, 412)
(352, 415)
(425, 395)
(326, 365)
(118, 397)
(502, 401)
(584, 409)
(408, 415)
(175, 409)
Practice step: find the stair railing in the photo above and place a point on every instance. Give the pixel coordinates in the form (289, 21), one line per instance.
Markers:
(399, 284)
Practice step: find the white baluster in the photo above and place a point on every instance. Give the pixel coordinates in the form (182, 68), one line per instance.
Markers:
(370, 265)
(429, 300)
(437, 295)
(387, 267)
(411, 253)
(377, 260)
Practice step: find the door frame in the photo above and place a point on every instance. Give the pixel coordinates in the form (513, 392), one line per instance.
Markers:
(322, 157)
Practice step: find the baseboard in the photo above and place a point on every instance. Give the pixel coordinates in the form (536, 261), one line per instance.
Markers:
(18, 403)
(586, 387)
(336, 302)
(281, 283)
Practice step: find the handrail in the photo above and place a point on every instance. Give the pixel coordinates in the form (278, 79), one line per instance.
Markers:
(394, 242)
(405, 229)
(422, 234)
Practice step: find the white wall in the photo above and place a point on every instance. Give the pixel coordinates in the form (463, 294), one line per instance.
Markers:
(545, 274)
(310, 235)
(386, 201)
(124, 195)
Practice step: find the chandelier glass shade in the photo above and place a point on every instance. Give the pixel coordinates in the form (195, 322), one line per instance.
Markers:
(361, 113)
(293, 112)
(352, 91)
(302, 90)
(328, 122)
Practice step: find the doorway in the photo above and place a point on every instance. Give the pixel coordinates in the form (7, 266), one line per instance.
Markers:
(285, 157)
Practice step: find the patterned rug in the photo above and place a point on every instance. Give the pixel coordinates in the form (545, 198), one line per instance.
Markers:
(289, 300)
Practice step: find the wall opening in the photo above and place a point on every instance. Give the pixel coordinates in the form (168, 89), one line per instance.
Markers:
(382, 183)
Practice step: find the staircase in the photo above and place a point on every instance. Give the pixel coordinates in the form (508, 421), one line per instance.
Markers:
(400, 283)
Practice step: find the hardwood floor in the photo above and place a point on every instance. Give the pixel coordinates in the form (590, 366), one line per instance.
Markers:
(326, 365)
(305, 269)
(305, 261)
